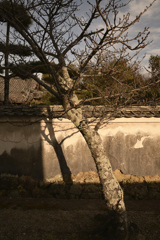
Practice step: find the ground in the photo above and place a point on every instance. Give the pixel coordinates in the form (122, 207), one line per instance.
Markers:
(69, 219)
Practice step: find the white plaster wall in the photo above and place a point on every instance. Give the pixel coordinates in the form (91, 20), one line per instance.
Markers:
(133, 145)
(75, 151)
(46, 148)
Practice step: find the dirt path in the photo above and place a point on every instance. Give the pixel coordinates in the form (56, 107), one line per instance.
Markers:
(61, 219)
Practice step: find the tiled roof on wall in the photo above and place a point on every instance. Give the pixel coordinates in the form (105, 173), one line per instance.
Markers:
(89, 111)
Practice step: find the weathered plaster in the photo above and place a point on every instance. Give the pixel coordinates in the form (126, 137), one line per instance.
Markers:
(62, 136)
(133, 145)
(12, 136)
(45, 148)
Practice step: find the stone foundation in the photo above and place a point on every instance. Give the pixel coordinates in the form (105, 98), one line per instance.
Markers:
(82, 186)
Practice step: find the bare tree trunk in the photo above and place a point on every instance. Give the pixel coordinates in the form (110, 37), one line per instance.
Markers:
(117, 224)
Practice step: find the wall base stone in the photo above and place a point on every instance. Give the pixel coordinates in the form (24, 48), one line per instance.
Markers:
(82, 186)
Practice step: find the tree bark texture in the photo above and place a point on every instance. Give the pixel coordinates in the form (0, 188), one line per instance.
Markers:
(117, 224)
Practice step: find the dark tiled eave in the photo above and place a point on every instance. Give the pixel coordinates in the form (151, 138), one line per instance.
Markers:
(89, 111)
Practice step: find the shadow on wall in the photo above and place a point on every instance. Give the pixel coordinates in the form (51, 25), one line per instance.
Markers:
(44, 150)
(24, 159)
(50, 138)
(35, 149)
(21, 150)
(64, 150)
(22, 162)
